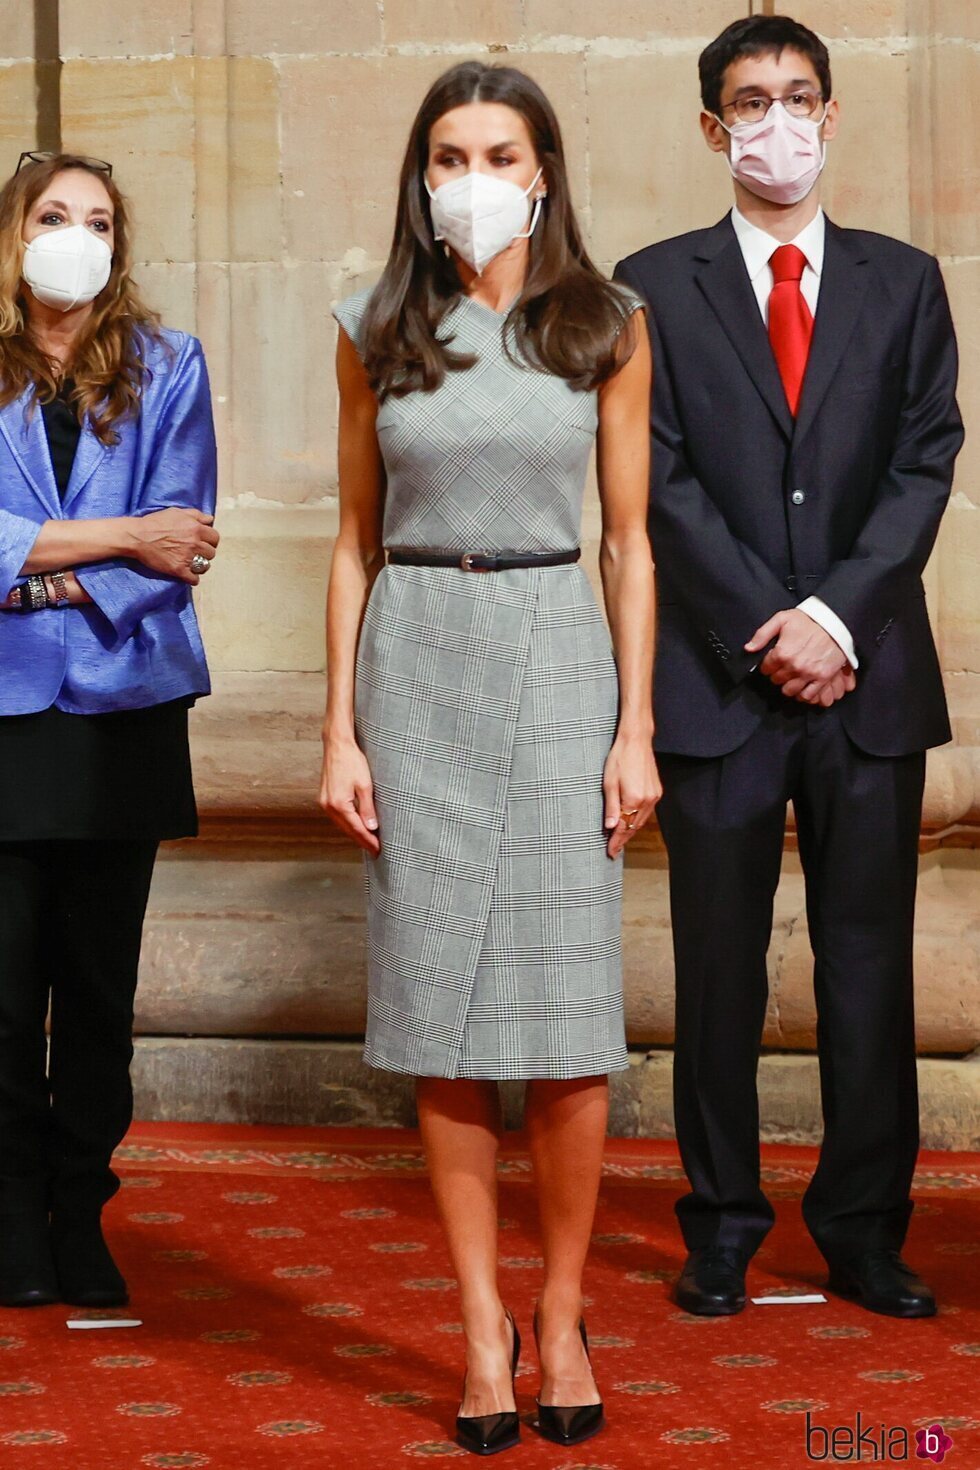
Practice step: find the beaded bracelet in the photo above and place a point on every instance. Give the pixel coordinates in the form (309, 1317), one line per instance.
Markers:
(37, 591)
(33, 594)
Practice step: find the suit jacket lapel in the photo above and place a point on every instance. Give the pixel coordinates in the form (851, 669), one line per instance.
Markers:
(725, 282)
(843, 282)
(88, 456)
(28, 443)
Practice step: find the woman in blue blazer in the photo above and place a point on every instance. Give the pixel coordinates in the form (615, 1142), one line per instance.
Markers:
(107, 490)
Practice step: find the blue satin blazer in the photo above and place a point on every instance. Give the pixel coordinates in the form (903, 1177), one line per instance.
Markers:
(137, 643)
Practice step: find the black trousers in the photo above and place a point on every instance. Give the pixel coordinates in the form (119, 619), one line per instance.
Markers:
(858, 819)
(71, 921)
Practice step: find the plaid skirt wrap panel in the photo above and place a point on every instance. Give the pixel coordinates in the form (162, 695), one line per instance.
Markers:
(486, 704)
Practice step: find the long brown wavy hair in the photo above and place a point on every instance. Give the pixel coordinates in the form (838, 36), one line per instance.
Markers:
(568, 319)
(106, 362)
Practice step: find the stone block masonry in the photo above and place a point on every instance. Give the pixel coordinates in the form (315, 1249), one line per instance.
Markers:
(260, 142)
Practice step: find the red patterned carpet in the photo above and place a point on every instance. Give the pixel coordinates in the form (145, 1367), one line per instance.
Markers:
(298, 1312)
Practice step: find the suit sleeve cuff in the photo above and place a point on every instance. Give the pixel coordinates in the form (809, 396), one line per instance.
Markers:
(124, 595)
(817, 609)
(17, 538)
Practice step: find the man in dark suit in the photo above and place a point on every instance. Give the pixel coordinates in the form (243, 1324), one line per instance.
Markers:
(804, 432)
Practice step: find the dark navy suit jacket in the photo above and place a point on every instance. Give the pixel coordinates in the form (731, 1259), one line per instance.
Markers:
(138, 642)
(751, 511)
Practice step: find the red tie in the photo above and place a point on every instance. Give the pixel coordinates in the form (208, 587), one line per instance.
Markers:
(790, 321)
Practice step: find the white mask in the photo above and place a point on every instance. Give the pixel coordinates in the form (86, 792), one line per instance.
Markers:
(67, 267)
(480, 214)
(779, 157)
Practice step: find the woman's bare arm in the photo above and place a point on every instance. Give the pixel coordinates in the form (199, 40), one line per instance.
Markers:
(163, 541)
(358, 557)
(626, 567)
(73, 543)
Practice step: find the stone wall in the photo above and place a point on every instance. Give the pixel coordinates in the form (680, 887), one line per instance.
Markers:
(260, 142)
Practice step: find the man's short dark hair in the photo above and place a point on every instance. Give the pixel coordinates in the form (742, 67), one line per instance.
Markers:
(759, 35)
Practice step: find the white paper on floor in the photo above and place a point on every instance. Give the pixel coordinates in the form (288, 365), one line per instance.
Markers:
(84, 1322)
(773, 1301)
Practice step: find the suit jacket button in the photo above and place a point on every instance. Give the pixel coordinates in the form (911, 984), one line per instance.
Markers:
(798, 497)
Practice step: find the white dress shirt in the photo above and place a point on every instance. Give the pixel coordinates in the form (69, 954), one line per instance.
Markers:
(757, 248)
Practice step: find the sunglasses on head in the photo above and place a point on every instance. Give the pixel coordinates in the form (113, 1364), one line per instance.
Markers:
(99, 164)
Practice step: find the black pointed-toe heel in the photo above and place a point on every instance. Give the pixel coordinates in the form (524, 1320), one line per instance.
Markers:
(568, 1424)
(489, 1434)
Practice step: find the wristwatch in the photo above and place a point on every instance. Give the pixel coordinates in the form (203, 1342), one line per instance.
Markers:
(61, 598)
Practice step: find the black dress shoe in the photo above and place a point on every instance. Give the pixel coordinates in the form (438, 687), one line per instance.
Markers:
(27, 1274)
(566, 1424)
(881, 1281)
(712, 1283)
(489, 1434)
(87, 1274)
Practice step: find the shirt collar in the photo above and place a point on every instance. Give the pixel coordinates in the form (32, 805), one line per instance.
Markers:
(757, 245)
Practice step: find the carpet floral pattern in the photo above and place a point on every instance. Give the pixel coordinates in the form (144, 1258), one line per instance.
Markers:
(298, 1312)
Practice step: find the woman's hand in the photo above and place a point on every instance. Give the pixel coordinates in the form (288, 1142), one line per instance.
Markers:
(167, 540)
(630, 779)
(347, 791)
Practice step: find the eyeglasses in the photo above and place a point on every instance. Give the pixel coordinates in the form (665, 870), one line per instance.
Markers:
(753, 109)
(99, 164)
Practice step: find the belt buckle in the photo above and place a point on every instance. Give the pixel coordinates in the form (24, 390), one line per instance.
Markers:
(466, 562)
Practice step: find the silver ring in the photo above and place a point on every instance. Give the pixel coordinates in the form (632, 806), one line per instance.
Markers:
(199, 564)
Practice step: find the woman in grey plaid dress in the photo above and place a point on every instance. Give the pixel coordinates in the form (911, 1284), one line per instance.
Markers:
(486, 743)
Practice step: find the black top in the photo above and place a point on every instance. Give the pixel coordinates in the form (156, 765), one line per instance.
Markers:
(124, 774)
(63, 430)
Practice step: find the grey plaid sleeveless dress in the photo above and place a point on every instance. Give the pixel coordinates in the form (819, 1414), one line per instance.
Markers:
(486, 703)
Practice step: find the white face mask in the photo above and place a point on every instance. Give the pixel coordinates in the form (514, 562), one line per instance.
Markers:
(67, 267)
(779, 157)
(480, 214)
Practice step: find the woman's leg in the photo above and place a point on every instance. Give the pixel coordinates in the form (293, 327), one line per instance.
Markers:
(26, 1269)
(566, 1130)
(460, 1124)
(24, 1102)
(101, 890)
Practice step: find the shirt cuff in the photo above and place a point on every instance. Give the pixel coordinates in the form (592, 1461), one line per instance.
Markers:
(817, 609)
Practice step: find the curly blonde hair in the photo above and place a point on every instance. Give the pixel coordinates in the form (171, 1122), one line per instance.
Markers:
(106, 362)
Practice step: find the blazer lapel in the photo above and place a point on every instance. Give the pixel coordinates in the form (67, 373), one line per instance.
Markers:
(88, 456)
(28, 443)
(843, 282)
(725, 282)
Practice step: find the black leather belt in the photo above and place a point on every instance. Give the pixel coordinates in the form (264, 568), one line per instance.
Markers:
(479, 561)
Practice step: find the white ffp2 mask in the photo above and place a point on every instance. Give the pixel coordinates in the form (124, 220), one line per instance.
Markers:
(479, 215)
(780, 157)
(67, 267)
